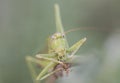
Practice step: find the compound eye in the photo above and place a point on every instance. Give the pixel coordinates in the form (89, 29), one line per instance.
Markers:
(53, 37)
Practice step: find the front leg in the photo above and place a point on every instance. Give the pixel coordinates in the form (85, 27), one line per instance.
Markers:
(41, 76)
(33, 72)
(73, 49)
(45, 65)
(49, 57)
(45, 70)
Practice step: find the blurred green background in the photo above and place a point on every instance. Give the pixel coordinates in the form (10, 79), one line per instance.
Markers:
(26, 24)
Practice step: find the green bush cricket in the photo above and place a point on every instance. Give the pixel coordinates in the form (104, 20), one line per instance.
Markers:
(59, 52)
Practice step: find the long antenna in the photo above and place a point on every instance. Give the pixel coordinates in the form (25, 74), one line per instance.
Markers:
(59, 26)
(91, 29)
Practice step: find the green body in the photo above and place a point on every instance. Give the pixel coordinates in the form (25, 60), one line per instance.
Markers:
(59, 52)
(57, 46)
